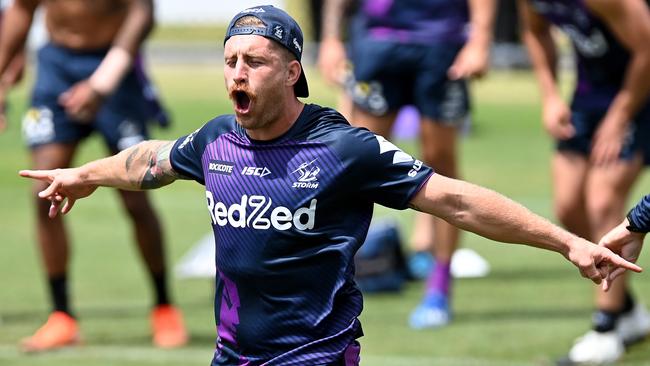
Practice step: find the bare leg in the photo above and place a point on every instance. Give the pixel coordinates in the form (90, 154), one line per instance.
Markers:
(438, 143)
(381, 125)
(345, 106)
(608, 188)
(167, 323)
(423, 234)
(569, 181)
(617, 321)
(61, 328)
(51, 233)
(148, 235)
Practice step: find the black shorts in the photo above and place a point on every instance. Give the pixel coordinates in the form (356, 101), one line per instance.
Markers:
(388, 75)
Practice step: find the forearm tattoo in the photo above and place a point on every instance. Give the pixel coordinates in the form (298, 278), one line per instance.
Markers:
(148, 165)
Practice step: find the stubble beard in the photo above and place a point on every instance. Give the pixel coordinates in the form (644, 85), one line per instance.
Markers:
(268, 109)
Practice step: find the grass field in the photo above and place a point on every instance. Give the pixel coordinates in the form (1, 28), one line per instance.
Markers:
(526, 312)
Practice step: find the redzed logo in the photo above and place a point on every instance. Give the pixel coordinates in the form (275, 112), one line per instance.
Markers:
(255, 212)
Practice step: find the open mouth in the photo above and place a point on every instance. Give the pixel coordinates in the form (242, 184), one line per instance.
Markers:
(242, 101)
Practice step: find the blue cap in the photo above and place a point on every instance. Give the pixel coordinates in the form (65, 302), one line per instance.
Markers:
(280, 27)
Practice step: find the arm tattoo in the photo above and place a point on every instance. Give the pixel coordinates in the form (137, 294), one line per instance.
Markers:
(129, 159)
(148, 165)
(159, 169)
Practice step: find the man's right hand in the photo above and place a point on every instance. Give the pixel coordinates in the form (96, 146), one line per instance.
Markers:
(557, 119)
(81, 102)
(65, 187)
(331, 60)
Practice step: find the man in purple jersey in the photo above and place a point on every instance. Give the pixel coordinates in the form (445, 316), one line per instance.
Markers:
(602, 139)
(290, 190)
(415, 52)
(89, 80)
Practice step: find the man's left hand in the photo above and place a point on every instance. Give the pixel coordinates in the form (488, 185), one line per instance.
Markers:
(623, 242)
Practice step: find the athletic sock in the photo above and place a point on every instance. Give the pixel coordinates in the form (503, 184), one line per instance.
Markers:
(59, 293)
(439, 279)
(160, 287)
(605, 321)
(628, 306)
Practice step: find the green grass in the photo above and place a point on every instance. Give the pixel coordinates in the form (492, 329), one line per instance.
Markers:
(526, 312)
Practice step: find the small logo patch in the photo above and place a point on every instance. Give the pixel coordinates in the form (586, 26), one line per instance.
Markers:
(38, 126)
(278, 31)
(255, 171)
(220, 167)
(297, 45)
(308, 175)
(188, 139)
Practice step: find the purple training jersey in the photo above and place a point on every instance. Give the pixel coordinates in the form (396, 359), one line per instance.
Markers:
(288, 216)
(416, 21)
(602, 60)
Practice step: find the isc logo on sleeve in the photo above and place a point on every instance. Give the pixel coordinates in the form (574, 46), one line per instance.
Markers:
(255, 212)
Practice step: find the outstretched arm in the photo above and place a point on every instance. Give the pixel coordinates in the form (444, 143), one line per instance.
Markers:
(143, 166)
(496, 217)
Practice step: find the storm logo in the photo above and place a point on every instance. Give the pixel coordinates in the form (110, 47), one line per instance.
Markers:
(308, 175)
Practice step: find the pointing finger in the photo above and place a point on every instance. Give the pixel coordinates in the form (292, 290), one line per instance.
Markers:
(36, 174)
(51, 190)
(622, 263)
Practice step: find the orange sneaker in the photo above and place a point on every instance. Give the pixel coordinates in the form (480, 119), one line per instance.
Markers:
(168, 328)
(60, 330)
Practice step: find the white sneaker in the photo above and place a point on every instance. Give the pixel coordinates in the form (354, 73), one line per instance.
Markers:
(634, 326)
(597, 348)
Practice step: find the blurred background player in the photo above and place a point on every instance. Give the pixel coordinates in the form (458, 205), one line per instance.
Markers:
(12, 75)
(602, 139)
(419, 53)
(89, 79)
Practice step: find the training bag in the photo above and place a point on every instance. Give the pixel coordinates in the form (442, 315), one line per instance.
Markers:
(380, 262)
